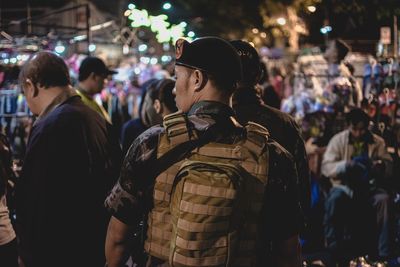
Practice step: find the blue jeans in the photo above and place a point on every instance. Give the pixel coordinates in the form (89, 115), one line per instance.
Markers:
(357, 225)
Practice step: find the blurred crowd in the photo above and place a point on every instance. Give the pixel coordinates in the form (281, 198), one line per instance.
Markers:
(345, 106)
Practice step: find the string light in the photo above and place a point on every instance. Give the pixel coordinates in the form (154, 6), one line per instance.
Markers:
(312, 9)
(281, 21)
(92, 47)
(165, 32)
(142, 47)
(167, 6)
(59, 48)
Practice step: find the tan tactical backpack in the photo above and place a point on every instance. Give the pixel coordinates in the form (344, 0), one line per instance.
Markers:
(206, 206)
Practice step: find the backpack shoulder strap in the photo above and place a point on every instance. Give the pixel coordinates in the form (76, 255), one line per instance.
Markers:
(256, 138)
(177, 131)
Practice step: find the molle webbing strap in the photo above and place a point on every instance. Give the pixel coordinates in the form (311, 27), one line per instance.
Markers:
(160, 216)
(202, 244)
(201, 227)
(159, 222)
(176, 128)
(209, 191)
(257, 137)
(217, 150)
(205, 261)
(164, 181)
(204, 209)
(161, 196)
(235, 152)
(160, 233)
(157, 250)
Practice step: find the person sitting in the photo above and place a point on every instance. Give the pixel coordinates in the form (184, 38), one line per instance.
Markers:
(354, 157)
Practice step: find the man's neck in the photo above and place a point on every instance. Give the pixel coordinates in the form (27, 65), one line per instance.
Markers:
(212, 94)
(84, 88)
(49, 95)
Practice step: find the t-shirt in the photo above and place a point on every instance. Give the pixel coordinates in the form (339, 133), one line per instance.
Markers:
(131, 198)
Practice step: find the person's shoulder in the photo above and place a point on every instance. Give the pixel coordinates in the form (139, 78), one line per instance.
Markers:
(67, 113)
(151, 133)
(71, 113)
(278, 151)
(340, 139)
(280, 115)
(145, 145)
(133, 125)
(341, 135)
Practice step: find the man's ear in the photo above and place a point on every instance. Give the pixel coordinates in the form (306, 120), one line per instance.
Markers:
(31, 89)
(200, 80)
(157, 106)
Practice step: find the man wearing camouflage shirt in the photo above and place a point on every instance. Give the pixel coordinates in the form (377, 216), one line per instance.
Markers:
(206, 71)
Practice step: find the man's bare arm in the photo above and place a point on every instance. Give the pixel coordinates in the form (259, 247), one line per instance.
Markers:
(117, 241)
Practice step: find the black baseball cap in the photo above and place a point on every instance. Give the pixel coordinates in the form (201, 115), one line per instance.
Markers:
(211, 54)
(95, 65)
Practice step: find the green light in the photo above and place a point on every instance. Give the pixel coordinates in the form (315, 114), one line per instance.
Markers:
(191, 34)
(176, 32)
(167, 6)
(159, 23)
(139, 18)
(131, 6)
(165, 32)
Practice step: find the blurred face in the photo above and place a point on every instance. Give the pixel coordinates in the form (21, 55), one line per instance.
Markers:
(95, 83)
(184, 89)
(99, 82)
(359, 130)
(30, 92)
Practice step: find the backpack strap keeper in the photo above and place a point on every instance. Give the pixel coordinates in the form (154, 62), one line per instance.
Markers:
(176, 127)
(257, 137)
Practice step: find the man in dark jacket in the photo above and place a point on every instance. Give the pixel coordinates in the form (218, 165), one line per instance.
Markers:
(70, 165)
(249, 107)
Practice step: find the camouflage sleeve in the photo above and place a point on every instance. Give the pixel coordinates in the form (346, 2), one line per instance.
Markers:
(128, 200)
